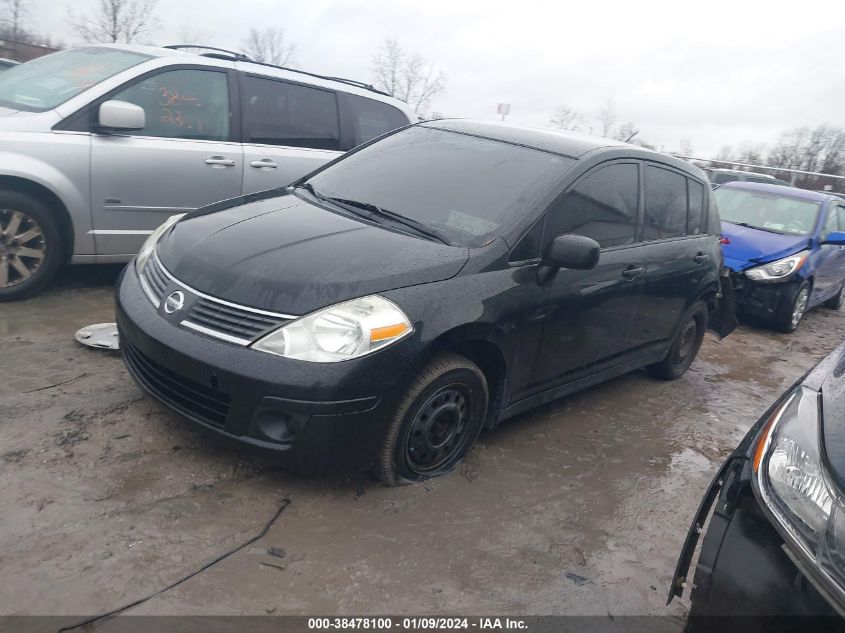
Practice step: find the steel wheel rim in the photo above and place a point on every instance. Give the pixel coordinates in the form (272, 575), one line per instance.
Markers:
(800, 306)
(687, 341)
(439, 430)
(22, 247)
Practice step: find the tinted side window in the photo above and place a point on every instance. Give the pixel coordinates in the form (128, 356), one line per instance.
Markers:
(529, 246)
(188, 104)
(370, 118)
(602, 206)
(281, 113)
(665, 204)
(721, 179)
(696, 208)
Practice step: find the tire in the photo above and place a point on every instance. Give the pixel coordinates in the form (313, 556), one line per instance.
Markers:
(684, 347)
(791, 312)
(835, 302)
(436, 423)
(22, 216)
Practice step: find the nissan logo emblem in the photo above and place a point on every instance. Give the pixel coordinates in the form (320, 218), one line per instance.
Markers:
(174, 302)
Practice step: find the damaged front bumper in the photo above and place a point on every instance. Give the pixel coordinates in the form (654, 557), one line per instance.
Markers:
(759, 299)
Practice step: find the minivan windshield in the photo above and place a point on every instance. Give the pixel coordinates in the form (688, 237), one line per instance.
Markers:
(766, 211)
(462, 188)
(46, 82)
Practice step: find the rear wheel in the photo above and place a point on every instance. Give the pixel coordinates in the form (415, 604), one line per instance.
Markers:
(436, 423)
(835, 302)
(685, 347)
(30, 246)
(793, 309)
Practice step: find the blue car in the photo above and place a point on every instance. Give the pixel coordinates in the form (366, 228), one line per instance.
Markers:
(785, 248)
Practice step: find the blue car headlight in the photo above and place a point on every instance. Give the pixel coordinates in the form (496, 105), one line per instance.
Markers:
(778, 270)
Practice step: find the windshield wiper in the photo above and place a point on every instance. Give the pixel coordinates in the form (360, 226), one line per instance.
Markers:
(414, 225)
(760, 228)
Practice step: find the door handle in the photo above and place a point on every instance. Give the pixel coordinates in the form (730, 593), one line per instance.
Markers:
(264, 163)
(632, 272)
(701, 258)
(221, 161)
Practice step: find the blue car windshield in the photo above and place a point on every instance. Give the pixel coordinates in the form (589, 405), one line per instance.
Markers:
(767, 211)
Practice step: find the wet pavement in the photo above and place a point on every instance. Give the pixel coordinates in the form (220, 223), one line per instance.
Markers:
(579, 507)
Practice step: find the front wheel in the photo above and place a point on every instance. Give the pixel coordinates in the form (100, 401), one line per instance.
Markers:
(436, 423)
(793, 309)
(685, 347)
(30, 245)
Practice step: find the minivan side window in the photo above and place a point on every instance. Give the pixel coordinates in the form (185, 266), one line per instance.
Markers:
(186, 104)
(282, 113)
(603, 206)
(696, 208)
(370, 118)
(665, 204)
(721, 179)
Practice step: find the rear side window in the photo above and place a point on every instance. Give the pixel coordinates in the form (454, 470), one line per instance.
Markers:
(282, 113)
(186, 104)
(369, 118)
(603, 206)
(665, 204)
(695, 214)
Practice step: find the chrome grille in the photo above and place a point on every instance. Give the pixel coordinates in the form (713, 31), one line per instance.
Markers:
(232, 321)
(208, 315)
(155, 279)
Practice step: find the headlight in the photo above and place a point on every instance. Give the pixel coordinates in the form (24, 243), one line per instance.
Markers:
(340, 332)
(779, 270)
(792, 481)
(150, 243)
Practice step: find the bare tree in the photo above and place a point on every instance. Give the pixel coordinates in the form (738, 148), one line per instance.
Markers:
(15, 15)
(124, 21)
(566, 118)
(686, 147)
(406, 76)
(751, 153)
(270, 46)
(820, 149)
(193, 34)
(626, 132)
(607, 117)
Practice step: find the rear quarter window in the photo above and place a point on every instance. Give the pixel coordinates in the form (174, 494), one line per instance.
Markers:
(367, 119)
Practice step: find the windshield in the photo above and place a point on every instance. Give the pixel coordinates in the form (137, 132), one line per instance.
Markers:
(767, 211)
(46, 82)
(461, 187)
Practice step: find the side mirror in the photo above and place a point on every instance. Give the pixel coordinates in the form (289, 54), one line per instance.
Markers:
(121, 115)
(576, 252)
(837, 238)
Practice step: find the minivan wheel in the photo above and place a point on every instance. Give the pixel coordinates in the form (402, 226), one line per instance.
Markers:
(793, 309)
(685, 347)
(436, 423)
(30, 246)
(835, 302)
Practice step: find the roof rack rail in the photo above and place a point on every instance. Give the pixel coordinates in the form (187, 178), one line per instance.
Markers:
(231, 54)
(220, 52)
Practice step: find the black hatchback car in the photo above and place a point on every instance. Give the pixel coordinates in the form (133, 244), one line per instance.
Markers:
(384, 309)
(773, 555)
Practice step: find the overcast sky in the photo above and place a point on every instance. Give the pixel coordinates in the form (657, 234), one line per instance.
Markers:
(716, 73)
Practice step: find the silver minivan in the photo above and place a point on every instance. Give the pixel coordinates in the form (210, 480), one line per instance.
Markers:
(100, 144)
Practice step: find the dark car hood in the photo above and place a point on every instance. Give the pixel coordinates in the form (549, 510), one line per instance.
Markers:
(829, 378)
(749, 247)
(283, 254)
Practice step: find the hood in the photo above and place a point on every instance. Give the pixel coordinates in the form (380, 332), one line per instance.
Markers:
(286, 255)
(829, 378)
(749, 247)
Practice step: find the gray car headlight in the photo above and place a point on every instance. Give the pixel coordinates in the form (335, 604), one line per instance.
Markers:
(778, 270)
(792, 482)
(150, 243)
(340, 332)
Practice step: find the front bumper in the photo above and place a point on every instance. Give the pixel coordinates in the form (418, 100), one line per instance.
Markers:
(764, 300)
(315, 417)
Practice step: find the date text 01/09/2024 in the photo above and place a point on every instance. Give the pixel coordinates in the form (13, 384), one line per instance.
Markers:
(419, 623)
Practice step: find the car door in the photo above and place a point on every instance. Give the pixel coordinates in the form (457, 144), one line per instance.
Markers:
(290, 129)
(186, 156)
(589, 312)
(828, 259)
(677, 252)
